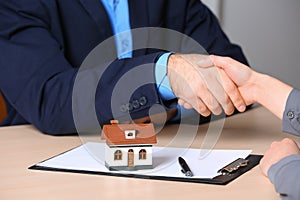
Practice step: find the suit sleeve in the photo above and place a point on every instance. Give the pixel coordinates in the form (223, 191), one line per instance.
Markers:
(37, 79)
(291, 115)
(285, 177)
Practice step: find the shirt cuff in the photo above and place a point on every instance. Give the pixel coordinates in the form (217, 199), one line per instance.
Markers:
(162, 81)
(285, 177)
(280, 166)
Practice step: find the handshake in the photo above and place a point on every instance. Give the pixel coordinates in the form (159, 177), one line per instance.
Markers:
(210, 84)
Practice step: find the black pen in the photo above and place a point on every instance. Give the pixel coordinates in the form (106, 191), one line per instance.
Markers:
(184, 167)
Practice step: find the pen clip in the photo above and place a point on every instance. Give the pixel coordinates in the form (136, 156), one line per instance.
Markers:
(233, 166)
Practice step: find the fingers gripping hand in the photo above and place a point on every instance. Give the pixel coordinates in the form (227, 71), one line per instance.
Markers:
(205, 88)
(243, 76)
(238, 72)
(226, 93)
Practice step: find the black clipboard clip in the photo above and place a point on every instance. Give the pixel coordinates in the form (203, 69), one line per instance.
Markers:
(234, 166)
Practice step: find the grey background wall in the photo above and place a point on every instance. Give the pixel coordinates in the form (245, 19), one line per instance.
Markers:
(267, 30)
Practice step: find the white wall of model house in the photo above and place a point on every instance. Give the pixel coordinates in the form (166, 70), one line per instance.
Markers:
(110, 152)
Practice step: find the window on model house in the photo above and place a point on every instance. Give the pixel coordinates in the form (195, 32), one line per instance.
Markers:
(118, 155)
(142, 154)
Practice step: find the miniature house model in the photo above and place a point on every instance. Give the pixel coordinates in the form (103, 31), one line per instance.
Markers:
(128, 146)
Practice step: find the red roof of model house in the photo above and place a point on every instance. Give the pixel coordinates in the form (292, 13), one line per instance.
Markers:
(129, 134)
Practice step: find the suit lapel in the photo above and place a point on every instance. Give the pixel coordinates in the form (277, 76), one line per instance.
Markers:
(138, 13)
(97, 12)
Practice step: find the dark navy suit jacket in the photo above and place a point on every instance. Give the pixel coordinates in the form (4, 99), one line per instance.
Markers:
(44, 42)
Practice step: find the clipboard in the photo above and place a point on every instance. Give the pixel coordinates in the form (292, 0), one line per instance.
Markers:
(235, 170)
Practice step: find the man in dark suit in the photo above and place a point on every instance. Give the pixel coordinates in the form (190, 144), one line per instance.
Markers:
(44, 42)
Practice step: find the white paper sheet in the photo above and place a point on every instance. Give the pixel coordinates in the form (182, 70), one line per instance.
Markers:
(90, 157)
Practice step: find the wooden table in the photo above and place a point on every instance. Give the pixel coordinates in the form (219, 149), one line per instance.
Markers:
(23, 146)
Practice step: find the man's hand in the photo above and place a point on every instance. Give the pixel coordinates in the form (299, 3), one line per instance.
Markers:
(200, 85)
(276, 152)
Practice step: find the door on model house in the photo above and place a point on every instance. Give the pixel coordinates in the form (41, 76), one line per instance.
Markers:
(130, 158)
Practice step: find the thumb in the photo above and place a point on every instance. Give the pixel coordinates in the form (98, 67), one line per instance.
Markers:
(205, 62)
(221, 62)
(198, 60)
